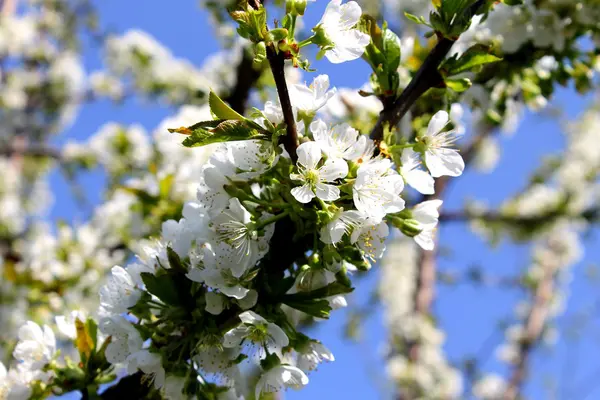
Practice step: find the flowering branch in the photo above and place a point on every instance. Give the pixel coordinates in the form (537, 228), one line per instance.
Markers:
(277, 63)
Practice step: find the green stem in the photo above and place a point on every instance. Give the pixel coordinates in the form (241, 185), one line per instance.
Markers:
(293, 26)
(401, 146)
(306, 42)
(271, 220)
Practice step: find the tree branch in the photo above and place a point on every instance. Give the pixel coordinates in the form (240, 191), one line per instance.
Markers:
(277, 63)
(426, 77)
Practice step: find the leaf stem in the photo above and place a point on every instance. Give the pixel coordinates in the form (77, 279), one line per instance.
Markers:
(306, 42)
(262, 223)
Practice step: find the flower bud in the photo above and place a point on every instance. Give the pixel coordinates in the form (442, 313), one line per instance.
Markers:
(260, 53)
(409, 227)
(295, 7)
(277, 34)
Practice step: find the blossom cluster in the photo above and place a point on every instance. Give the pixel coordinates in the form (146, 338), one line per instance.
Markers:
(339, 197)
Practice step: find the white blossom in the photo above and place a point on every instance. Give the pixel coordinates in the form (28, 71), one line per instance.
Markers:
(150, 364)
(426, 214)
(312, 354)
(376, 191)
(310, 99)
(337, 24)
(414, 176)
(125, 339)
(341, 141)
(36, 346)
(258, 330)
(279, 378)
(440, 158)
(314, 178)
(120, 292)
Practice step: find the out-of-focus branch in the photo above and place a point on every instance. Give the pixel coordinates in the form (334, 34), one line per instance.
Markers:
(477, 277)
(590, 214)
(534, 326)
(8, 7)
(246, 77)
(30, 150)
(427, 269)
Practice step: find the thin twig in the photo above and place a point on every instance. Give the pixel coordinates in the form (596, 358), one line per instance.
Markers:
(277, 63)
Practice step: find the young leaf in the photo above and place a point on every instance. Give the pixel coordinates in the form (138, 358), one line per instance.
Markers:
(225, 131)
(83, 341)
(220, 109)
(415, 19)
(162, 287)
(391, 49)
(458, 85)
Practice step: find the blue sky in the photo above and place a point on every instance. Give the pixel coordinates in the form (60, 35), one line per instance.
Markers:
(468, 315)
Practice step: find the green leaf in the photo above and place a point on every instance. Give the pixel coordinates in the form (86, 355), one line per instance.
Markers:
(162, 287)
(204, 133)
(315, 308)
(174, 261)
(83, 341)
(332, 289)
(220, 109)
(415, 19)
(458, 85)
(391, 50)
(473, 57)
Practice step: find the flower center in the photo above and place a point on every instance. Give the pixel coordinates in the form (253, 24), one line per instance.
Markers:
(312, 177)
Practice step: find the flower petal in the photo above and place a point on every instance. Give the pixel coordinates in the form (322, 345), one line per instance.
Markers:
(309, 155)
(333, 169)
(303, 194)
(437, 123)
(444, 162)
(420, 180)
(349, 15)
(327, 192)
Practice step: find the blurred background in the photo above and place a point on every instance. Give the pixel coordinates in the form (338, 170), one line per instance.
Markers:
(87, 91)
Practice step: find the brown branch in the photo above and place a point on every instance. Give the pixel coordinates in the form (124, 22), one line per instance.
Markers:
(534, 326)
(277, 63)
